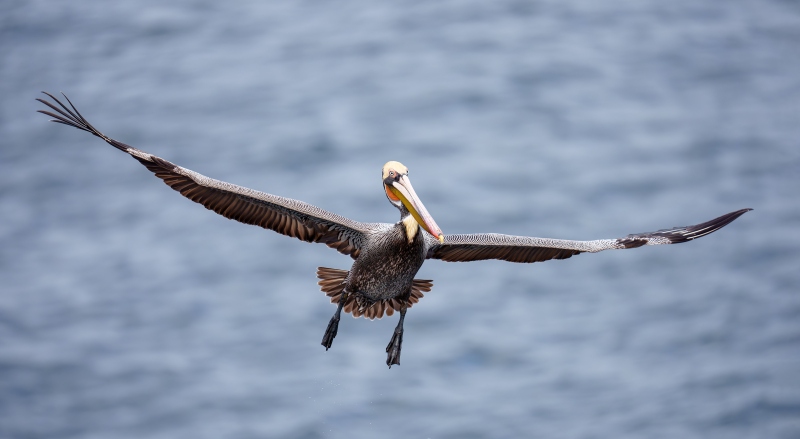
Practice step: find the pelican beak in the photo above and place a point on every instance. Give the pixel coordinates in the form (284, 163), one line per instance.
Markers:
(403, 190)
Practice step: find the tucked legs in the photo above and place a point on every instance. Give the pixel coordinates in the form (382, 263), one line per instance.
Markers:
(333, 325)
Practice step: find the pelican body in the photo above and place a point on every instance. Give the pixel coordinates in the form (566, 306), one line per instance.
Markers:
(386, 256)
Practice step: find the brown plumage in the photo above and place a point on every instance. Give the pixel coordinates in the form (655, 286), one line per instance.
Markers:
(386, 256)
(332, 282)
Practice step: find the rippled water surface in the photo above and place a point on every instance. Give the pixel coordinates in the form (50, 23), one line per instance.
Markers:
(127, 311)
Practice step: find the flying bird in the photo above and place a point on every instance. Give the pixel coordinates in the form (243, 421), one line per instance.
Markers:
(386, 256)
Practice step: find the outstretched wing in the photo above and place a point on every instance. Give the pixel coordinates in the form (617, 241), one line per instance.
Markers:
(476, 247)
(283, 215)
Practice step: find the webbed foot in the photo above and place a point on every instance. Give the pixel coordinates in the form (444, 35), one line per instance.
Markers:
(394, 347)
(396, 344)
(330, 332)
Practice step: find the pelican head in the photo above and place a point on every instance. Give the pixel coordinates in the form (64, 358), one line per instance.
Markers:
(401, 194)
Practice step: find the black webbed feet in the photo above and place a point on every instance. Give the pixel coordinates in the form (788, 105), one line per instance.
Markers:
(396, 344)
(330, 332)
(333, 325)
(394, 347)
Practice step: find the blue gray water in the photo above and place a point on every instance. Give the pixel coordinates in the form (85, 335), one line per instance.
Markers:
(127, 311)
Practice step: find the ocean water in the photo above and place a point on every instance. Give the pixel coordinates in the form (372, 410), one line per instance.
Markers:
(127, 311)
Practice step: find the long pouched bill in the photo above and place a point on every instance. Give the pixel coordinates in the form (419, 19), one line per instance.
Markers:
(403, 190)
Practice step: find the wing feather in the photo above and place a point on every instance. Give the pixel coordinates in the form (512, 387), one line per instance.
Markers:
(481, 246)
(284, 215)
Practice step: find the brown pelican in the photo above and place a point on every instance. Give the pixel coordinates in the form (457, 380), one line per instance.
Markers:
(386, 256)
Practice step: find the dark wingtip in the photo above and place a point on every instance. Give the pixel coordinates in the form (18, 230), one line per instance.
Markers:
(729, 217)
(689, 233)
(72, 117)
(64, 115)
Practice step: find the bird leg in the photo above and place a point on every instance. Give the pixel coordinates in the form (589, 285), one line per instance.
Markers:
(333, 325)
(394, 346)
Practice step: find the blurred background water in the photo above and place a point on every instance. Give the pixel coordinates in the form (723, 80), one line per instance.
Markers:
(127, 311)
